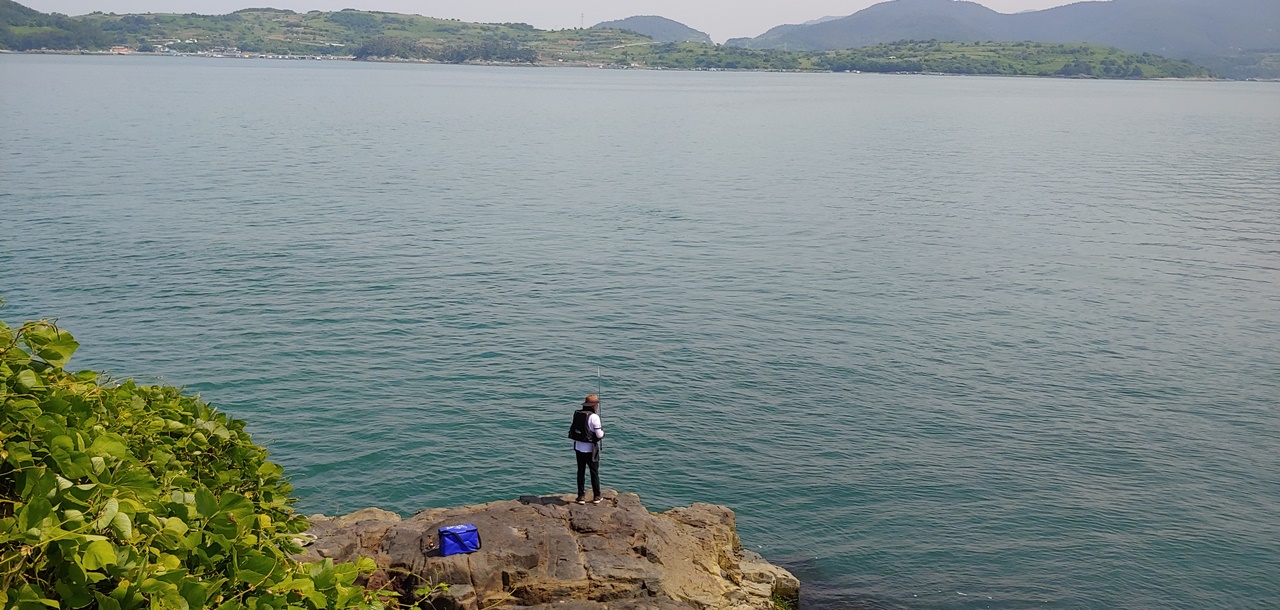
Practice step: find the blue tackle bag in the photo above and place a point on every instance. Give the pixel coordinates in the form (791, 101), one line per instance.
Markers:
(458, 539)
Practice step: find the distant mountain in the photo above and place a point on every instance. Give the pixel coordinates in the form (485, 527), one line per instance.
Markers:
(779, 31)
(823, 20)
(660, 29)
(1176, 28)
(884, 23)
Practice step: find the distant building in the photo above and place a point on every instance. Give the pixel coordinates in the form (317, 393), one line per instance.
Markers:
(121, 50)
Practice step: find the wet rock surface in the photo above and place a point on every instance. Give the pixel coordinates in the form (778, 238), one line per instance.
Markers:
(546, 552)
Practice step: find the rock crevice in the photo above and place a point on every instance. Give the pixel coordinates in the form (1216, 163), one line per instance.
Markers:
(540, 552)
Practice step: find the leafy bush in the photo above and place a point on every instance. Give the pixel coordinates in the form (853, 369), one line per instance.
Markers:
(123, 496)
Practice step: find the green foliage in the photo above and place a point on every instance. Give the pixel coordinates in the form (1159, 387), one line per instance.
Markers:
(492, 50)
(988, 58)
(124, 496)
(1007, 58)
(363, 23)
(23, 29)
(1259, 64)
(695, 56)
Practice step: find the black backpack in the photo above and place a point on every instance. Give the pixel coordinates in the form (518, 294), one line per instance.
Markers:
(579, 430)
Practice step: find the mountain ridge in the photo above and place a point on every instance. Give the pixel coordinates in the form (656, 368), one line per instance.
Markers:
(658, 28)
(1185, 29)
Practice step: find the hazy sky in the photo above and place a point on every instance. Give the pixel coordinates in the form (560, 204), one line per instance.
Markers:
(722, 19)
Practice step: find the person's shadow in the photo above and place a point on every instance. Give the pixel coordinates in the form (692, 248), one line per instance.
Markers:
(544, 500)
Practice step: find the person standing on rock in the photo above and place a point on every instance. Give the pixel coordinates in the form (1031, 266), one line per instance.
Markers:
(587, 433)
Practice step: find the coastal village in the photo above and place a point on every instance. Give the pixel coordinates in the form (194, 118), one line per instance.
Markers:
(164, 47)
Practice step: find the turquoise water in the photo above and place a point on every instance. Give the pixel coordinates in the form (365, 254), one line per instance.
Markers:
(941, 342)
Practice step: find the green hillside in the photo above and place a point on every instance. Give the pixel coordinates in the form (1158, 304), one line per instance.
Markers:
(1262, 64)
(992, 58)
(344, 33)
(23, 29)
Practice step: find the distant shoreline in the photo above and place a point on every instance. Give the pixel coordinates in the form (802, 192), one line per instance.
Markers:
(593, 65)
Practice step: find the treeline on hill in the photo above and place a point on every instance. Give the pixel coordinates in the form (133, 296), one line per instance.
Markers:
(1262, 64)
(979, 58)
(236, 29)
(493, 50)
(1008, 58)
(696, 56)
(24, 29)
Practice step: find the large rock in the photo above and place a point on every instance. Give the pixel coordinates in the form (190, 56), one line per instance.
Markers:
(547, 553)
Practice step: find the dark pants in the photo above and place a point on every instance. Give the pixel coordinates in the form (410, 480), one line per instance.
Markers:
(586, 460)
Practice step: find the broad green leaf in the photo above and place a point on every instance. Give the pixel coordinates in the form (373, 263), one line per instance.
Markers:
(324, 577)
(39, 333)
(63, 443)
(155, 585)
(192, 540)
(73, 517)
(346, 573)
(236, 504)
(259, 569)
(16, 357)
(109, 512)
(34, 513)
(223, 525)
(74, 596)
(176, 526)
(123, 525)
(169, 562)
(196, 593)
(53, 404)
(206, 504)
(268, 470)
(28, 381)
(24, 409)
(139, 481)
(108, 444)
(98, 555)
(106, 603)
(59, 350)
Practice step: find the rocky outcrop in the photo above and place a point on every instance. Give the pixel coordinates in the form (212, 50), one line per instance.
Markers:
(547, 552)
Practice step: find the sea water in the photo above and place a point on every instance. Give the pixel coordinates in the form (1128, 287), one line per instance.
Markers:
(941, 342)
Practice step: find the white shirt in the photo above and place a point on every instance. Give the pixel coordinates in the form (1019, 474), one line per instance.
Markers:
(593, 424)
